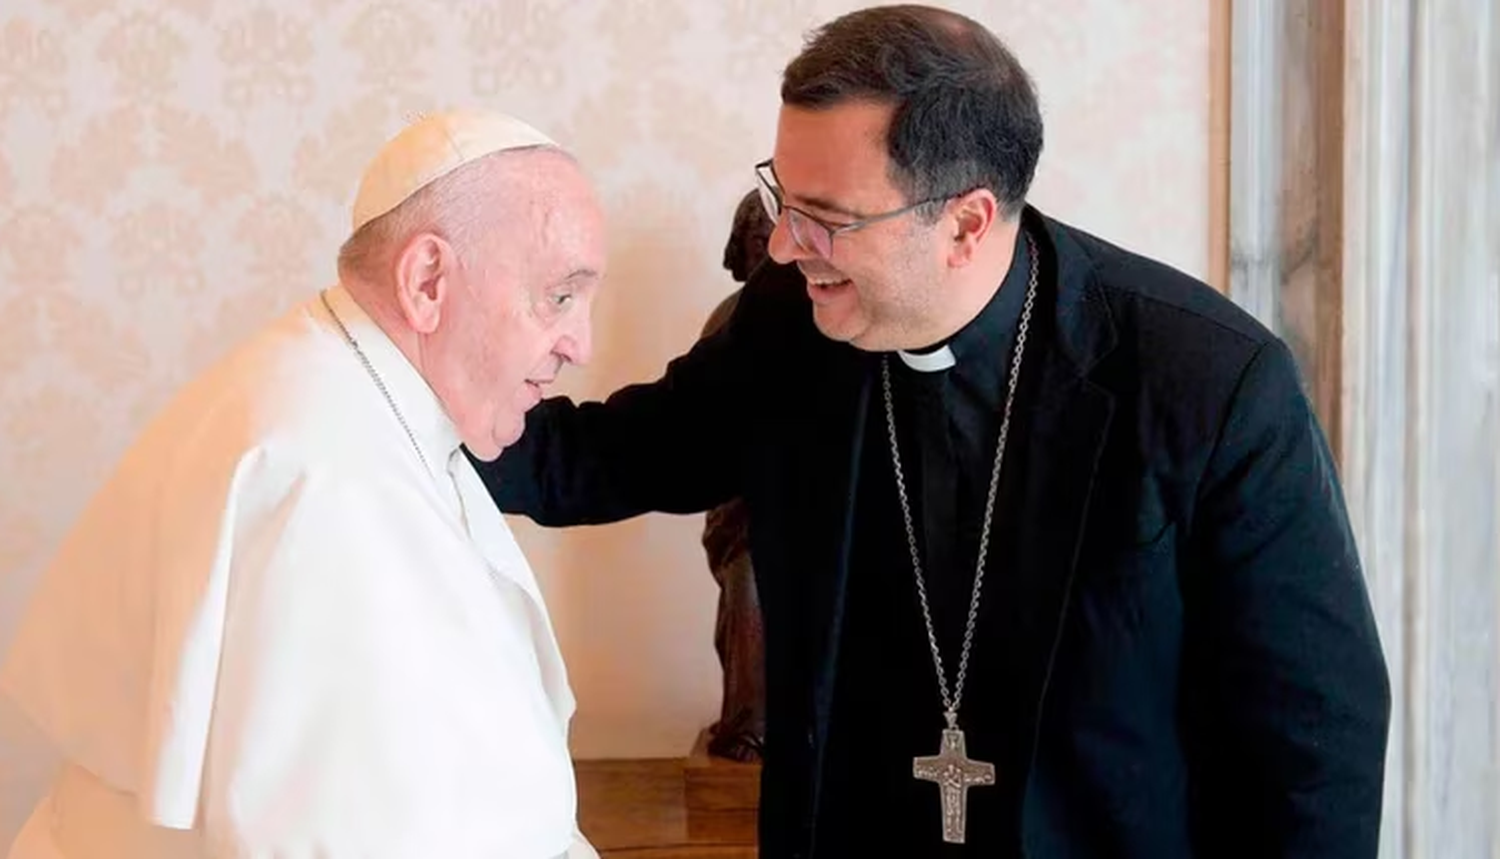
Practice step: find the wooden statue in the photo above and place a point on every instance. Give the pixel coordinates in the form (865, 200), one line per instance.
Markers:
(738, 634)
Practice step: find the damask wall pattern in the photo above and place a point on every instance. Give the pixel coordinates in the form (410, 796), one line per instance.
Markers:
(174, 173)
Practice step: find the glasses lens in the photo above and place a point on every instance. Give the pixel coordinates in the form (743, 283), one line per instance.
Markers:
(808, 235)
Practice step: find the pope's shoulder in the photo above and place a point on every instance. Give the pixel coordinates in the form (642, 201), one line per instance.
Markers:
(288, 393)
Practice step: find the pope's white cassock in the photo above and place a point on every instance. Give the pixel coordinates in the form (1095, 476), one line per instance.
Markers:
(277, 633)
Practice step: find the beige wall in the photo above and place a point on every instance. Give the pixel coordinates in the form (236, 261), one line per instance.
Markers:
(174, 172)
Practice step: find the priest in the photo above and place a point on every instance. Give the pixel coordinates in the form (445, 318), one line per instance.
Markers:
(1050, 547)
(290, 624)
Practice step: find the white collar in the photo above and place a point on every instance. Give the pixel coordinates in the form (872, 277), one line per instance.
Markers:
(434, 431)
(929, 362)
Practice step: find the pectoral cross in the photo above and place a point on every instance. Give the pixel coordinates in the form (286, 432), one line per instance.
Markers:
(954, 774)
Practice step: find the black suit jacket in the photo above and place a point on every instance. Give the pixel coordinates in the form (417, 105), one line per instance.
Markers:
(1197, 657)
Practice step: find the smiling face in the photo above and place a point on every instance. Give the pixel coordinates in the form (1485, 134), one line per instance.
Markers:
(879, 286)
(517, 307)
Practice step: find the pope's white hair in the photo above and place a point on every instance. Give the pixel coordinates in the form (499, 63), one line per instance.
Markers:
(460, 207)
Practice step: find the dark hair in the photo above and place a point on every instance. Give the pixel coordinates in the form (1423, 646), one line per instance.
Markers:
(966, 113)
(749, 236)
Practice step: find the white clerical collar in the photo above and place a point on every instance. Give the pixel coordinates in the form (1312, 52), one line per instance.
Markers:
(419, 405)
(929, 362)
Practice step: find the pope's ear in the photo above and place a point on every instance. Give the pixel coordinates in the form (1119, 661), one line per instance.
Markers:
(423, 269)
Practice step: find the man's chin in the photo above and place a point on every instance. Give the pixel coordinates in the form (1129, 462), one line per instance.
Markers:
(485, 452)
(489, 449)
(841, 325)
(505, 437)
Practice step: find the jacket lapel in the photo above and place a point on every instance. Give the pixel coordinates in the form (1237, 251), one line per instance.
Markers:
(1066, 439)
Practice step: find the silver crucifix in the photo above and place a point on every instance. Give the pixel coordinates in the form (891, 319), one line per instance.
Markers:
(954, 774)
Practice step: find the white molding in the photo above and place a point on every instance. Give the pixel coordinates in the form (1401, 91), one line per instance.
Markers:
(1421, 399)
(1255, 158)
(1376, 190)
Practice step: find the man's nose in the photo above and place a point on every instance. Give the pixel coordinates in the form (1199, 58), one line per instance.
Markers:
(577, 345)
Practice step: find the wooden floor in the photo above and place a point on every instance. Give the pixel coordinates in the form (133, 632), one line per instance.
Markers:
(636, 810)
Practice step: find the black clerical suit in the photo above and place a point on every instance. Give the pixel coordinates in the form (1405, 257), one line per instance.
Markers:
(1174, 655)
(886, 708)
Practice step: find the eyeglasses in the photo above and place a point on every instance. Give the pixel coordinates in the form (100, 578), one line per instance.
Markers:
(811, 233)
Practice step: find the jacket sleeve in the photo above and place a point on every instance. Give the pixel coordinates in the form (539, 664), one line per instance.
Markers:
(673, 445)
(1287, 698)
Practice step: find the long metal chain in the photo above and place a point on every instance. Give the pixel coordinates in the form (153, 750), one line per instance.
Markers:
(379, 383)
(951, 704)
(489, 566)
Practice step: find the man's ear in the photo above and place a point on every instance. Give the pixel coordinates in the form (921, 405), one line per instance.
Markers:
(973, 216)
(424, 271)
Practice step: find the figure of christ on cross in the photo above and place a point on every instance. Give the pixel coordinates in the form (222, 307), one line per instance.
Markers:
(954, 773)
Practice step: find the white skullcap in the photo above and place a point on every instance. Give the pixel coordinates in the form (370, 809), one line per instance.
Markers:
(431, 147)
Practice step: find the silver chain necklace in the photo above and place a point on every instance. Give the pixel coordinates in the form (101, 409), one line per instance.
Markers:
(952, 769)
(489, 565)
(379, 383)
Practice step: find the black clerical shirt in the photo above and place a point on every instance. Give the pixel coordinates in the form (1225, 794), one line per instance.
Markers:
(886, 708)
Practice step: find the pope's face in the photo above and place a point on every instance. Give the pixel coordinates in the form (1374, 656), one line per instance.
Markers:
(519, 308)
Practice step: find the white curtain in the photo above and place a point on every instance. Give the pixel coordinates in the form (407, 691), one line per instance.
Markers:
(1413, 204)
(1422, 401)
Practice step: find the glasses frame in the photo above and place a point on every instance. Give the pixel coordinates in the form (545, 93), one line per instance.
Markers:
(797, 219)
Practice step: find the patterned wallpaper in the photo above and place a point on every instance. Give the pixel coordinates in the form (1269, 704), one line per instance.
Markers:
(175, 172)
